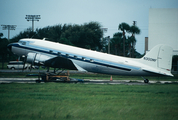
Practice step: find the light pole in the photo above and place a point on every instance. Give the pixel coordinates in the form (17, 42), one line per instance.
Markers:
(9, 27)
(33, 18)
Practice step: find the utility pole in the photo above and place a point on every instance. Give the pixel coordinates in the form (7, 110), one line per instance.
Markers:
(9, 27)
(33, 18)
(133, 50)
(108, 44)
(102, 41)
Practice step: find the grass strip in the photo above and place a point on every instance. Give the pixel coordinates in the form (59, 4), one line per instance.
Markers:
(88, 101)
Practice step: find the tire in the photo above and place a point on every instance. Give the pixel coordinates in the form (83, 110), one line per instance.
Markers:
(12, 68)
(146, 81)
(38, 81)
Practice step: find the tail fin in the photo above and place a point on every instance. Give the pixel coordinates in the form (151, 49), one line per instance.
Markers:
(159, 58)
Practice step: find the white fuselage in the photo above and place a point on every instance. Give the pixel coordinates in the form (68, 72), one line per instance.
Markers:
(86, 60)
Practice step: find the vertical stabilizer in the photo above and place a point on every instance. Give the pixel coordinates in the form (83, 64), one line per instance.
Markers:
(165, 57)
(159, 58)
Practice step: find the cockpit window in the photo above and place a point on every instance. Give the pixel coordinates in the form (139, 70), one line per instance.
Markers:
(22, 42)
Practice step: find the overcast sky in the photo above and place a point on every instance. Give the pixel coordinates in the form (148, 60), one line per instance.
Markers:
(109, 13)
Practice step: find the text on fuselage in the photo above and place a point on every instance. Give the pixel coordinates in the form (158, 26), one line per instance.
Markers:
(149, 59)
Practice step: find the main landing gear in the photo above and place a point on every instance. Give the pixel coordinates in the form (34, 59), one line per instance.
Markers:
(47, 77)
(145, 80)
(51, 76)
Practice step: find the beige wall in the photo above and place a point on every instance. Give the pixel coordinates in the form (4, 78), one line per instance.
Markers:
(163, 28)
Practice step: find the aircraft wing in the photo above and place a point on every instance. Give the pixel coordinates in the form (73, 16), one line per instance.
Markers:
(61, 62)
(53, 61)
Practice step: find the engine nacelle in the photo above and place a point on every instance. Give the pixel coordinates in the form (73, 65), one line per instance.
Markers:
(37, 59)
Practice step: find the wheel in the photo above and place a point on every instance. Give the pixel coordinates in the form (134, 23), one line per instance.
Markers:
(12, 68)
(30, 68)
(146, 80)
(38, 81)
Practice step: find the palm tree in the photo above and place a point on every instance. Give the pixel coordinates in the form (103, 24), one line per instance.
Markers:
(117, 40)
(134, 30)
(131, 42)
(124, 27)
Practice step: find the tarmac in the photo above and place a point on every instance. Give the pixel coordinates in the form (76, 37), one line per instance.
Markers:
(86, 81)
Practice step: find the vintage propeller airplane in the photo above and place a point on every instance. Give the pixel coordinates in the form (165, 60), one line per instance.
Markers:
(157, 61)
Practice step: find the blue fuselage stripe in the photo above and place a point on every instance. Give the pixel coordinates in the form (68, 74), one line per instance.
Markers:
(47, 51)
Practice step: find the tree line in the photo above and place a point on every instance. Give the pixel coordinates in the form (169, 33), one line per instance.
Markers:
(123, 45)
(88, 35)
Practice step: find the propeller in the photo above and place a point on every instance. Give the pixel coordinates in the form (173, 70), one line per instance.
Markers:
(33, 62)
(24, 61)
(31, 66)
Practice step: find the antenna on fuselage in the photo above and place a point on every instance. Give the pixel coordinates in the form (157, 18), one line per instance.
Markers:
(33, 35)
(45, 39)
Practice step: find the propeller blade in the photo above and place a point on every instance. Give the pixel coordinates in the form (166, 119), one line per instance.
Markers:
(31, 67)
(24, 62)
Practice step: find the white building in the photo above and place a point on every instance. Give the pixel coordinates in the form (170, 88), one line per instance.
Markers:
(163, 28)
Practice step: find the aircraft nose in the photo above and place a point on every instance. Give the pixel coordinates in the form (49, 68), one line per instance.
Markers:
(9, 46)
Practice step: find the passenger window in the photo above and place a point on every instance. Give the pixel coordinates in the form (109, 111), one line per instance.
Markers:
(91, 60)
(59, 53)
